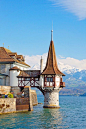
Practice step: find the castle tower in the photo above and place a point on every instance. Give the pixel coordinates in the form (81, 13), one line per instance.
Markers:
(52, 77)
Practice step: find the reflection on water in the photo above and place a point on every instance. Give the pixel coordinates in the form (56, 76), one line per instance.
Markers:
(50, 118)
(71, 115)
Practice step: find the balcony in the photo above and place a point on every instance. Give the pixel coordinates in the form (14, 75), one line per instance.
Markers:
(62, 84)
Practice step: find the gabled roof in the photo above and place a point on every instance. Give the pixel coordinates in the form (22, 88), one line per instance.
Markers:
(5, 56)
(51, 65)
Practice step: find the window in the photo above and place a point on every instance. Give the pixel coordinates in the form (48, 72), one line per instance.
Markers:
(27, 79)
(49, 79)
(2, 68)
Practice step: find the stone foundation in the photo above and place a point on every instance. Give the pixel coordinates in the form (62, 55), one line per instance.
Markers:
(34, 97)
(51, 98)
(22, 104)
(27, 94)
(7, 105)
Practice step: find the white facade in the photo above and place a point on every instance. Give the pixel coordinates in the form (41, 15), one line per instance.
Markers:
(9, 78)
(13, 77)
(57, 80)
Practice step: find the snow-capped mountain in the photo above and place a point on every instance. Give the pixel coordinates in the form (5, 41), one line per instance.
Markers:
(67, 68)
(35, 67)
(63, 67)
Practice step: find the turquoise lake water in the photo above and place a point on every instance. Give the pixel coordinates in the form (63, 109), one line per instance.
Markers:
(71, 115)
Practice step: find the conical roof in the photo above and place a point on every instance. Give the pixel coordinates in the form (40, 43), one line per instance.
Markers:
(51, 65)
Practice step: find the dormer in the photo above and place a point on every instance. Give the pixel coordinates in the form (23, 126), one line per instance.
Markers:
(20, 58)
(13, 55)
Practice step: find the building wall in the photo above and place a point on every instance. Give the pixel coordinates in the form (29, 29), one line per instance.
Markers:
(57, 80)
(22, 104)
(41, 81)
(15, 73)
(4, 80)
(34, 97)
(7, 105)
(13, 77)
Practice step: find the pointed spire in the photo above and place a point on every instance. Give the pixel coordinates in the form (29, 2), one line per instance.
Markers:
(51, 65)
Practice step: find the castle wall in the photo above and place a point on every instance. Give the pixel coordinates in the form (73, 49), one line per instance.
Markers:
(7, 105)
(10, 105)
(34, 97)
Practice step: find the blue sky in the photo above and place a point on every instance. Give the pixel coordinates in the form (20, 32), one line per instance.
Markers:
(25, 26)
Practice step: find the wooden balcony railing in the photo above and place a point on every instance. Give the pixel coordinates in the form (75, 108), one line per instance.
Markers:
(62, 84)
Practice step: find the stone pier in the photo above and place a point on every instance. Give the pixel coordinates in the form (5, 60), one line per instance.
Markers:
(51, 98)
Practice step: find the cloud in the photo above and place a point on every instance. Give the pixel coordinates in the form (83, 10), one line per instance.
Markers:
(61, 56)
(77, 7)
(34, 61)
(79, 64)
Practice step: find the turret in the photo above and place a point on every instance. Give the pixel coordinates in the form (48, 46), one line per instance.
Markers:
(52, 78)
(52, 75)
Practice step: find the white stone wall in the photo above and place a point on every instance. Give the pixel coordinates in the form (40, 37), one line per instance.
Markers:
(15, 73)
(41, 81)
(13, 77)
(51, 98)
(57, 80)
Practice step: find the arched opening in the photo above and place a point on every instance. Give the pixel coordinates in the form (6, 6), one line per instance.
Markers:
(40, 95)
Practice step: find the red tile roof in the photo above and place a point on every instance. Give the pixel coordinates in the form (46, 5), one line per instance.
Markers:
(5, 56)
(22, 73)
(51, 65)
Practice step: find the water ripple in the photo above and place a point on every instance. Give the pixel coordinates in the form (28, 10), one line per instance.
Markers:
(71, 115)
